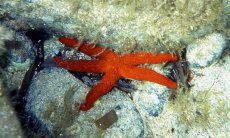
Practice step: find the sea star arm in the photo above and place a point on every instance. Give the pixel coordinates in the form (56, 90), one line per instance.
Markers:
(104, 86)
(144, 57)
(94, 66)
(148, 75)
(88, 49)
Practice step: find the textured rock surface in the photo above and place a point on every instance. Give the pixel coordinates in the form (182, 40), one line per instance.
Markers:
(206, 50)
(46, 102)
(5, 34)
(201, 112)
(45, 99)
(129, 121)
(149, 97)
(10, 126)
(155, 24)
(20, 56)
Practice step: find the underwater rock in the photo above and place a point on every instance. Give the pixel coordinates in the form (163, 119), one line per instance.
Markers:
(5, 34)
(202, 111)
(20, 55)
(20, 50)
(46, 97)
(127, 26)
(37, 37)
(10, 125)
(151, 98)
(53, 97)
(129, 122)
(206, 50)
(214, 78)
(15, 55)
(107, 120)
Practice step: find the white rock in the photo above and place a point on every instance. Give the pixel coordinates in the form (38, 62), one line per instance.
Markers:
(201, 112)
(150, 98)
(206, 50)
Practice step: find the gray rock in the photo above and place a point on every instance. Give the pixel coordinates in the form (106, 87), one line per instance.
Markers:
(10, 126)
(129, 123)
(206, 51)
(151, 98)
(51, 100)
(20, 55)
(5, 34)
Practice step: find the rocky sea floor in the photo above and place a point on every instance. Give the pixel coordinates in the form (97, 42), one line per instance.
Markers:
(40, 99)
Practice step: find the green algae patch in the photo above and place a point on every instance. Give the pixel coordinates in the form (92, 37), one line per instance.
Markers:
(154, 25)
(205, 110)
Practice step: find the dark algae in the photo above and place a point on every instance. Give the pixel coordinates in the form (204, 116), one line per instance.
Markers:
(38, 38)
(33, 126)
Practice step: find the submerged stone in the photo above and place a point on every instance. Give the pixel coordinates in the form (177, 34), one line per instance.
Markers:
(10, 125)
(206, 51)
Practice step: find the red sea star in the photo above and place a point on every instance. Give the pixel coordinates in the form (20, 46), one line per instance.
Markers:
(113, 66)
